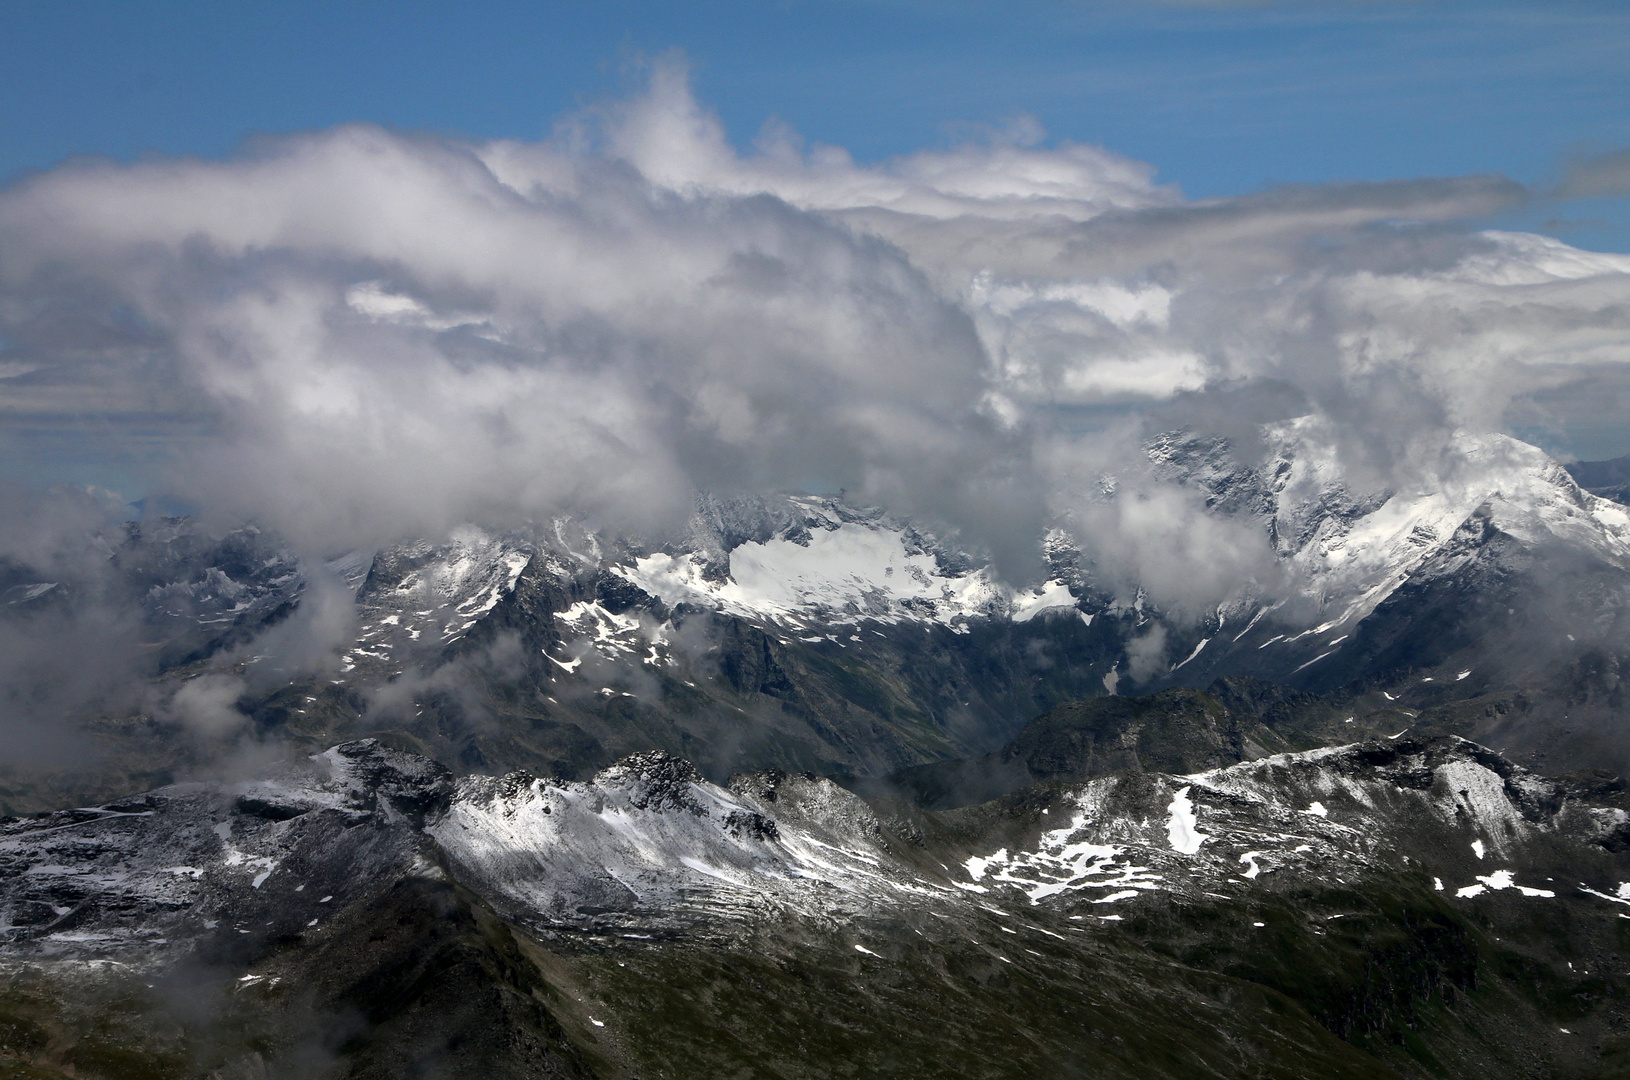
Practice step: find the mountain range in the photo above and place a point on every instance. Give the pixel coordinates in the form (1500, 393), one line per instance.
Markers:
(804, 787)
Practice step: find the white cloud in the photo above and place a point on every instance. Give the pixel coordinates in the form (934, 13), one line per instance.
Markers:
(392, 334)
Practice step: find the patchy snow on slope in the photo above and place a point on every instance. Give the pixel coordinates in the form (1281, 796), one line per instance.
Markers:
(431, 594)
(141, 884)
(1065, 860)
(351, 568)
(1197, 649)
(649, 848)
(22, 594)
(1276, 818)
(613, 635)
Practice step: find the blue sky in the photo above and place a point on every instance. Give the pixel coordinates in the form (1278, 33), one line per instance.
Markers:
(106, 380)
(1220, 98)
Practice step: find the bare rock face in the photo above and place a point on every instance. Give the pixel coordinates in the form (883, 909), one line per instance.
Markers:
(1174, 731)
(377, 778)
(655, 781)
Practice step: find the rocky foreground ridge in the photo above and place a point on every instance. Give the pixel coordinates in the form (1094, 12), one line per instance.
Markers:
(1407, 906)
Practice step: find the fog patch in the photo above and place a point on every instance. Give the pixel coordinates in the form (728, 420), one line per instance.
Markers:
(207, 705)
(1146, 654)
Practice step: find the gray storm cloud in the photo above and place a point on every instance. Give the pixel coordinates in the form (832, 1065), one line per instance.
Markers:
(376, 335)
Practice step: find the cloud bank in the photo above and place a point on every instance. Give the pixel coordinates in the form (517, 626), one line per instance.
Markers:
(373, 335)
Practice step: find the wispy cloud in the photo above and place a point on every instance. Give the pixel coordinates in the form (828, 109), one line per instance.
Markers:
(1604, 174)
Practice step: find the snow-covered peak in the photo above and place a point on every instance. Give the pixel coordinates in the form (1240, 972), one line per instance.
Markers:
(1347, 544)
(1355, 560)
(649, 845)
(421, 596)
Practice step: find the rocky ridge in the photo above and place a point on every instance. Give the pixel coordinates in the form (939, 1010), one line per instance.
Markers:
(649, 863)
(804, 633)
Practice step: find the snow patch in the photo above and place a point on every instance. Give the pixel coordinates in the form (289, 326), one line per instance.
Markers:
(1203, 643)
(1051, 596)
(842, 574)
(1500, 879)
(1182, 830)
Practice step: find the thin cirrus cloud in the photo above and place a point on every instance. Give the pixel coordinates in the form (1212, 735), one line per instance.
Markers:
(381, 335)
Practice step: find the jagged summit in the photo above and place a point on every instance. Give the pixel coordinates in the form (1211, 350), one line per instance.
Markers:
(804, 633)
(649, 841)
